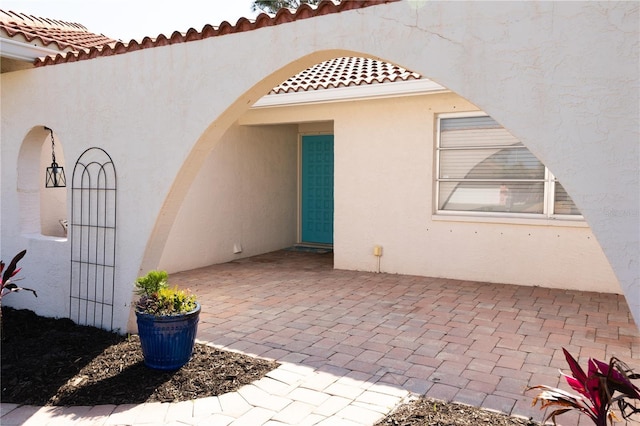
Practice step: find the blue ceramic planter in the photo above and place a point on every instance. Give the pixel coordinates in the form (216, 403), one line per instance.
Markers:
(167, 341)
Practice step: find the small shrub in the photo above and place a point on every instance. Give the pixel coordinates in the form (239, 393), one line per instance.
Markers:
(151, 283)
(157, 298)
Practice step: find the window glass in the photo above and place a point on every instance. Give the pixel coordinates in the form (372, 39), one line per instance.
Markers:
(505, 197)
(507, 163)
(483, 168)
(563, 204)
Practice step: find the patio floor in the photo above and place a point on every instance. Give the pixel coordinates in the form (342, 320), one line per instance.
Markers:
(355, 344)
(477, 343)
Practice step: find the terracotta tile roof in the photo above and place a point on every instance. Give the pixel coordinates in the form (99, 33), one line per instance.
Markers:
(51, 33)
(283, 16)
(344, 72)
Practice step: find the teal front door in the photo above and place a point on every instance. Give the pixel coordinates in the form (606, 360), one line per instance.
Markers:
(317, 189)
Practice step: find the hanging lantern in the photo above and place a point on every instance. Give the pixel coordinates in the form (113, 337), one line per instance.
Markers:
(55, 174)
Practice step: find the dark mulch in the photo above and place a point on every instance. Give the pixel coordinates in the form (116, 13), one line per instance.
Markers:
(49, 361)
(429, 412)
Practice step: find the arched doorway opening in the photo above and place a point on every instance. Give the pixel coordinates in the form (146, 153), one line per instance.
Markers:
(43, 210)
(248, 198)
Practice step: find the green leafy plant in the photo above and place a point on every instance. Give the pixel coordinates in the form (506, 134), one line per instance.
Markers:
(151, 283)
(272, 6)
(601, 387)
(157, 298)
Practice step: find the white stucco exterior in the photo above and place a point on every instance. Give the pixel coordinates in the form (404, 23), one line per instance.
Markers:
(561, 77)
(242, 203)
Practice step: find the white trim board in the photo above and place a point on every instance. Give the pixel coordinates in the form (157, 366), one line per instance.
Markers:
(341, 94)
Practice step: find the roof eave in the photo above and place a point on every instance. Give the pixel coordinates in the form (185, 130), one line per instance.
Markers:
(352, 93)
(23, 51)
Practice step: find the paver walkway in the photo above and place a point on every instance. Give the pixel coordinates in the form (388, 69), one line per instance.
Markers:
(353, 345)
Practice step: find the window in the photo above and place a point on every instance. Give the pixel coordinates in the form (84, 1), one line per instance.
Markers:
(482, 168)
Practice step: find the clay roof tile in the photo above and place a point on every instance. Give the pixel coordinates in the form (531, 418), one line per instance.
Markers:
(52, 33)
(72, 37)
(344, 71)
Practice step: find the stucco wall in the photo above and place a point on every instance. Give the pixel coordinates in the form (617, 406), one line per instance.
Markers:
(563, 77)
(384, 165)
(243, 198)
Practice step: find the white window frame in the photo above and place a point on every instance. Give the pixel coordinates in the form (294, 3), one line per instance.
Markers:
(549, 186)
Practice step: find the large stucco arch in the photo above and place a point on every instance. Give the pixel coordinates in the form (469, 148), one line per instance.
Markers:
(561, 76)
(209, 138)
(561, 94)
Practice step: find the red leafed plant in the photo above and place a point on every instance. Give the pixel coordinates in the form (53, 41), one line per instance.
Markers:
(603, 386)
(6, 284)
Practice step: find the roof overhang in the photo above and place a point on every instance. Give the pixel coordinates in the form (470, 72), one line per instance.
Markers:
(23, 51)
(352, 93)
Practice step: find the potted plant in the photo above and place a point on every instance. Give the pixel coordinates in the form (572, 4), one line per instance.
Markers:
(167, 320)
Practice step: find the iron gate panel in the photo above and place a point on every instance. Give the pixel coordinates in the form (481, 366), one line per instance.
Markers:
(93, 239)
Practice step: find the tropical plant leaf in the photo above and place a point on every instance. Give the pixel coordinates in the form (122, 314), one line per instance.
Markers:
(14, 288)
(579, 378)
(602, 386)
(11, 269)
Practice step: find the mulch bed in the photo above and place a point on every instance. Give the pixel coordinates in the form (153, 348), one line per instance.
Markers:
(49, 361)
(429, 412)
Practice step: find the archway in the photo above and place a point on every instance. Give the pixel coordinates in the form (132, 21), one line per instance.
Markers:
(545, 90)
(42, 210)
(209, 138)
(455, 60)
(391, 165)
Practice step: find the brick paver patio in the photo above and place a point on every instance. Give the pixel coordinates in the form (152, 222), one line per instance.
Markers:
(354, 344)
(477, 343)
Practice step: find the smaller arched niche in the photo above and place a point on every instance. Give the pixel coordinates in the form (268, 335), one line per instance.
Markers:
(42, 210)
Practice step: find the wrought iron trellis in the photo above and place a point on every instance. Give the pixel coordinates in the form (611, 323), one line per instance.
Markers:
(93, 239)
